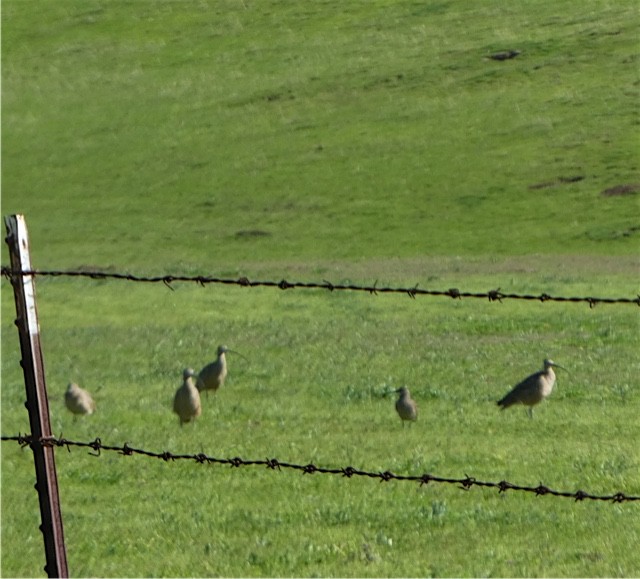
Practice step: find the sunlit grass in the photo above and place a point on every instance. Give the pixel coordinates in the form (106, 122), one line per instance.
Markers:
(375, 132)
(315, 389)
(373, 143)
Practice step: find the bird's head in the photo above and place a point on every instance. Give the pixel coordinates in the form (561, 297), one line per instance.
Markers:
(224, 350)
(551, 364)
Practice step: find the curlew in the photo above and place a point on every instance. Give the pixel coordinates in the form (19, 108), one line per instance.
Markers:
(533, 389)
(186, 402)
(78, 400)
(406, 406)
(212, 376)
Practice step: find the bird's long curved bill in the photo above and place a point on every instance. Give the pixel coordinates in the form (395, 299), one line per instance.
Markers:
(561, 368)
(238, 353)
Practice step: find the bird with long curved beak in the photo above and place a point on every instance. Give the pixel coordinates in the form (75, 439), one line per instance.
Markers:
(533, 389)
(213, 375)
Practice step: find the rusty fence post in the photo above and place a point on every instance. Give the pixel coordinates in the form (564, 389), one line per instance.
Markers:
(37, 402)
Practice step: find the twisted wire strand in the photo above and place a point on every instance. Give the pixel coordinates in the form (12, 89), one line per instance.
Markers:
(495, 295)
(348, 472)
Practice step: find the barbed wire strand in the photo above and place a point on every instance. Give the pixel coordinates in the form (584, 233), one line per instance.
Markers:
(347, 472)
(492, 295)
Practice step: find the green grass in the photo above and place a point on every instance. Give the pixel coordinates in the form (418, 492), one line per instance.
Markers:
(368, 142)
(314, 391)
(377, 131)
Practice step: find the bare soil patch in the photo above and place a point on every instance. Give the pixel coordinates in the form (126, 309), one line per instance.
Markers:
(558, 181)
(628, 189)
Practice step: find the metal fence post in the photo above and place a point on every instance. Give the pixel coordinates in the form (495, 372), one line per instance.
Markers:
(37, 403)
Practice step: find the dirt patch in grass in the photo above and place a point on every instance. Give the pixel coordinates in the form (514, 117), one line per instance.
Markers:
(248, 233)
(558, 181)
(628, 189)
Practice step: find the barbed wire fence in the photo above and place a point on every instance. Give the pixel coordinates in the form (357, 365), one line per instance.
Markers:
(495, 295)
(42, 442)
(274, 464)
(348, 472)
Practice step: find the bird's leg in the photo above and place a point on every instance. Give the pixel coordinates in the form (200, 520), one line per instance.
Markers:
(530, 411)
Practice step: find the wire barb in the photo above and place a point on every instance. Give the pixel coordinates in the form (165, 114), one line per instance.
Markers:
(454, 292)
(504, 486)
(273, 464)
(495, 295)
(349, 471)
(541, 490)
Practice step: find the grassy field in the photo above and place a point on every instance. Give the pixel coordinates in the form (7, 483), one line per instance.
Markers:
(314, 141)
(378, 131)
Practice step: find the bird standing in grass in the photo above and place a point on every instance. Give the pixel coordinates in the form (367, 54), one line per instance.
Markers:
(533, 389)
(78, 400)
(186, 402)
(212, 376)
(406, 406)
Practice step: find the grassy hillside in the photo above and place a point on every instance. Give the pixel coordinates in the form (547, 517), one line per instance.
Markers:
(368, 141)
(378, 130)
